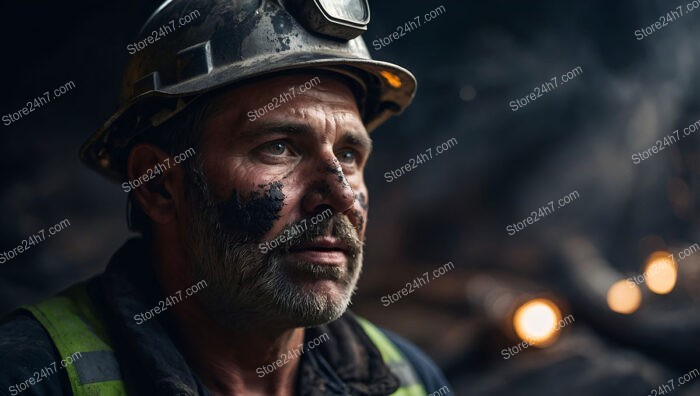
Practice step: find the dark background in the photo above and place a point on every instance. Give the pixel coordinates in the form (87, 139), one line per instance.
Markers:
(470, 62)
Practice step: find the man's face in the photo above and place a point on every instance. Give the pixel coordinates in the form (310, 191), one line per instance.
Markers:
(279, 203)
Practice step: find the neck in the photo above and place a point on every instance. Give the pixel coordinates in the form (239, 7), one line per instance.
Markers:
(249, 360)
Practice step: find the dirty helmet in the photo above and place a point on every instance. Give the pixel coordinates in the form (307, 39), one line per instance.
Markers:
(190, 47)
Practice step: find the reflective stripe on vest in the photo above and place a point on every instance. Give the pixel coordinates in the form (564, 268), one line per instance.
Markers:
(410, 385)
(75, 330)
(79, 336)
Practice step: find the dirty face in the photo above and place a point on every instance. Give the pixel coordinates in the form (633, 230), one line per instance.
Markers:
(278, 202)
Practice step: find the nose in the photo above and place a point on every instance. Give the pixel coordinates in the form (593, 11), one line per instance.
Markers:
(329, 189)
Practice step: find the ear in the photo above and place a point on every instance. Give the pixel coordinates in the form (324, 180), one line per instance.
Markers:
(155, 181)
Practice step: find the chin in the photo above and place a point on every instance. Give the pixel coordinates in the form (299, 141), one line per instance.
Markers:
(318, 320)
(335, 290)
(319, 302)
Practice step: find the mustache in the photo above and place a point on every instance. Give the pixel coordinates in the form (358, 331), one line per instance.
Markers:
(338, 226)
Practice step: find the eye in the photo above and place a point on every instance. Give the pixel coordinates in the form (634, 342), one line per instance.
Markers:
(277, 147)
(347, 156)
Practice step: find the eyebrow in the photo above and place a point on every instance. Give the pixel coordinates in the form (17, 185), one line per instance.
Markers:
(263, 128)
(352, 137)
(358, 139)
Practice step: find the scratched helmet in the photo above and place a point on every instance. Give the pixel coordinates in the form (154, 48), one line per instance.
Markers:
(191, 47)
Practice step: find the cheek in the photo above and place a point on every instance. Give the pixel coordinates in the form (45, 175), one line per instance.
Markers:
(361, 223)
(291, 210)
(256, 214)
(251, 202)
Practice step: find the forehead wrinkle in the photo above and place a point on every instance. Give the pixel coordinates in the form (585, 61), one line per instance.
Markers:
(339, 121)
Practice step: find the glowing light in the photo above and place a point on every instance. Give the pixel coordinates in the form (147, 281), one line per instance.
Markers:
(391, 78)
(535, 322)
(660, 272)
(624, 297)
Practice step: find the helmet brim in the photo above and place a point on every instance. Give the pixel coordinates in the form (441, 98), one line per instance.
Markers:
(389, 89)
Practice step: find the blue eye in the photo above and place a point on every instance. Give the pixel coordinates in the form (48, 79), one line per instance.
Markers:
(347, 156)
(275, 148)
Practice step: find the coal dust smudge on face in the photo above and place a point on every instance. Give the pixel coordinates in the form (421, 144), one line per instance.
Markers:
(255, 215)
(362, 200)
(337, 170)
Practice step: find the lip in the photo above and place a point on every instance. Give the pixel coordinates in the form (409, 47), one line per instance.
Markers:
(324, 250)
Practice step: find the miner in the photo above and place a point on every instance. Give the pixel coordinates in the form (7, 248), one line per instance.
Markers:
(220, 310)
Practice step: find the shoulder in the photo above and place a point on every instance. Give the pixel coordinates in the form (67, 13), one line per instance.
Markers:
(428, 372)
(26, 349)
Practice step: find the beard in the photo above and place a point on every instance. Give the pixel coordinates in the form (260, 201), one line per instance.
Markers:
(248, 287)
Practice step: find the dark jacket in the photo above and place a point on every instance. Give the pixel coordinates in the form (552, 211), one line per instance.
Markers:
(346, 364)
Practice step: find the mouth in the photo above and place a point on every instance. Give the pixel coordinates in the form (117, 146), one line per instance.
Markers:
(322, 250)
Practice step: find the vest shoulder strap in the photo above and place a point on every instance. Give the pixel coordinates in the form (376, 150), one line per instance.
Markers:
(71, 321)
(392, 356)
